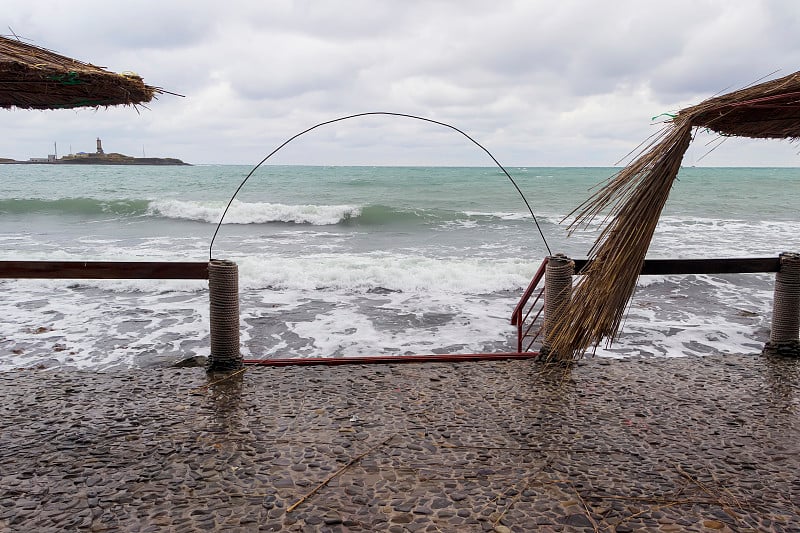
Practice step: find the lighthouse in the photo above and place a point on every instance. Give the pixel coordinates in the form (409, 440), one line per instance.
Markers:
(99, 146)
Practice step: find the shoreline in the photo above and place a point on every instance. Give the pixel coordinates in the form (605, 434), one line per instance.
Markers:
(663, 444)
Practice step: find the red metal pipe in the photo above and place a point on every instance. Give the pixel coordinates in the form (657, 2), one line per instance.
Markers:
(392, 359)
(516, 316)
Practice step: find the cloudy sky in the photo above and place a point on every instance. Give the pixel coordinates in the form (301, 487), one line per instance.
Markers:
(539, 83)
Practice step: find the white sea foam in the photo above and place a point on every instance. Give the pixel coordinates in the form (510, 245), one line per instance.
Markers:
(328, 305)
(102, 324)
(359, 272)
(337, 272)
(669, 316)
(705, 237)
(83, 327)
(343, 325)
(254, 213)
(500, 214)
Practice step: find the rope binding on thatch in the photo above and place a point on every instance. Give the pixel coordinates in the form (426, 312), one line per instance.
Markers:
(36, 78)
(632, 200)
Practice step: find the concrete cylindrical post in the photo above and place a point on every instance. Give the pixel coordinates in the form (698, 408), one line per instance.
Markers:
(223, 288)
(784, 337)
(557, 293)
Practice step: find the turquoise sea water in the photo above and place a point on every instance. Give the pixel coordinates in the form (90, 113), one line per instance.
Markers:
(338, 261)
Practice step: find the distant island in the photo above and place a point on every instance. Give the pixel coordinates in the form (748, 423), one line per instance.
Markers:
(95, 158)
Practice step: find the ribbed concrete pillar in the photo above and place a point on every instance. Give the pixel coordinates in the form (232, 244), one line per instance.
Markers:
(784, 337)
(223, 288)
(557, 293)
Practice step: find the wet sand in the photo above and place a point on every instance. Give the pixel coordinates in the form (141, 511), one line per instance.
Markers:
(685, 444)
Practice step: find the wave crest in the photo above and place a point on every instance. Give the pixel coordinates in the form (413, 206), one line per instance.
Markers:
(255, 213)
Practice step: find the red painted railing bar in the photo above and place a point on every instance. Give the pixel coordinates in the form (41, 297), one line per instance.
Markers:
(391, 359)
(531, 324)
(517, 314)
(533, 305)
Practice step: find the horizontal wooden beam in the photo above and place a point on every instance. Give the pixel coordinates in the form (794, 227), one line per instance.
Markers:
(662, 267)
(102, 270)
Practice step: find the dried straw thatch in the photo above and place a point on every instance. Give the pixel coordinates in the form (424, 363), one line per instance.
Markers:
(633, 199)
(35, 78)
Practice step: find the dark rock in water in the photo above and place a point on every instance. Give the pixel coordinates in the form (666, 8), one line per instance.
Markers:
(191, 362)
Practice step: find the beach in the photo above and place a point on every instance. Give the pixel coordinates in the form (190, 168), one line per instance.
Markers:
(641, 444)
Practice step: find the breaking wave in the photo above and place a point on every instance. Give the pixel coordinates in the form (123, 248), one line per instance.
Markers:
(254, 213)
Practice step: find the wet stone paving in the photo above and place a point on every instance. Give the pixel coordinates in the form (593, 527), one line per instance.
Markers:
(683, 444)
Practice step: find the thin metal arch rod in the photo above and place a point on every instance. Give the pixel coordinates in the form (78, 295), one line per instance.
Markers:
(385, 113)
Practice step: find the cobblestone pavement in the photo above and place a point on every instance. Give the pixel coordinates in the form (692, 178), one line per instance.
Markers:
(685, 444)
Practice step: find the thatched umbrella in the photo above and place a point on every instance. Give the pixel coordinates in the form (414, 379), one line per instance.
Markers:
(633, 199)
(35, 78)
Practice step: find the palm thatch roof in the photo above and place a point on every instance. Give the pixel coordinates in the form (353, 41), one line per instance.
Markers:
(35, 78)
(632, 200)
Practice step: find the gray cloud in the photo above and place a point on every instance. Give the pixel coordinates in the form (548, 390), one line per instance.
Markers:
(541, 83)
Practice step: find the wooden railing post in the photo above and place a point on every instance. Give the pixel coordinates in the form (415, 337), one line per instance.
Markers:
(557, 294)
(784, 337)
(223, 288)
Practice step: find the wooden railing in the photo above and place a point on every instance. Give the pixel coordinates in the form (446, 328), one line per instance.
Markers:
(102, 270)
(527, 315)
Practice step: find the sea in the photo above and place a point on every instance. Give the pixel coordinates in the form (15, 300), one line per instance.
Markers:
(363, 260)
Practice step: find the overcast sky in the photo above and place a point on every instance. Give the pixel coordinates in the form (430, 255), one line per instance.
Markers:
(539, 83)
